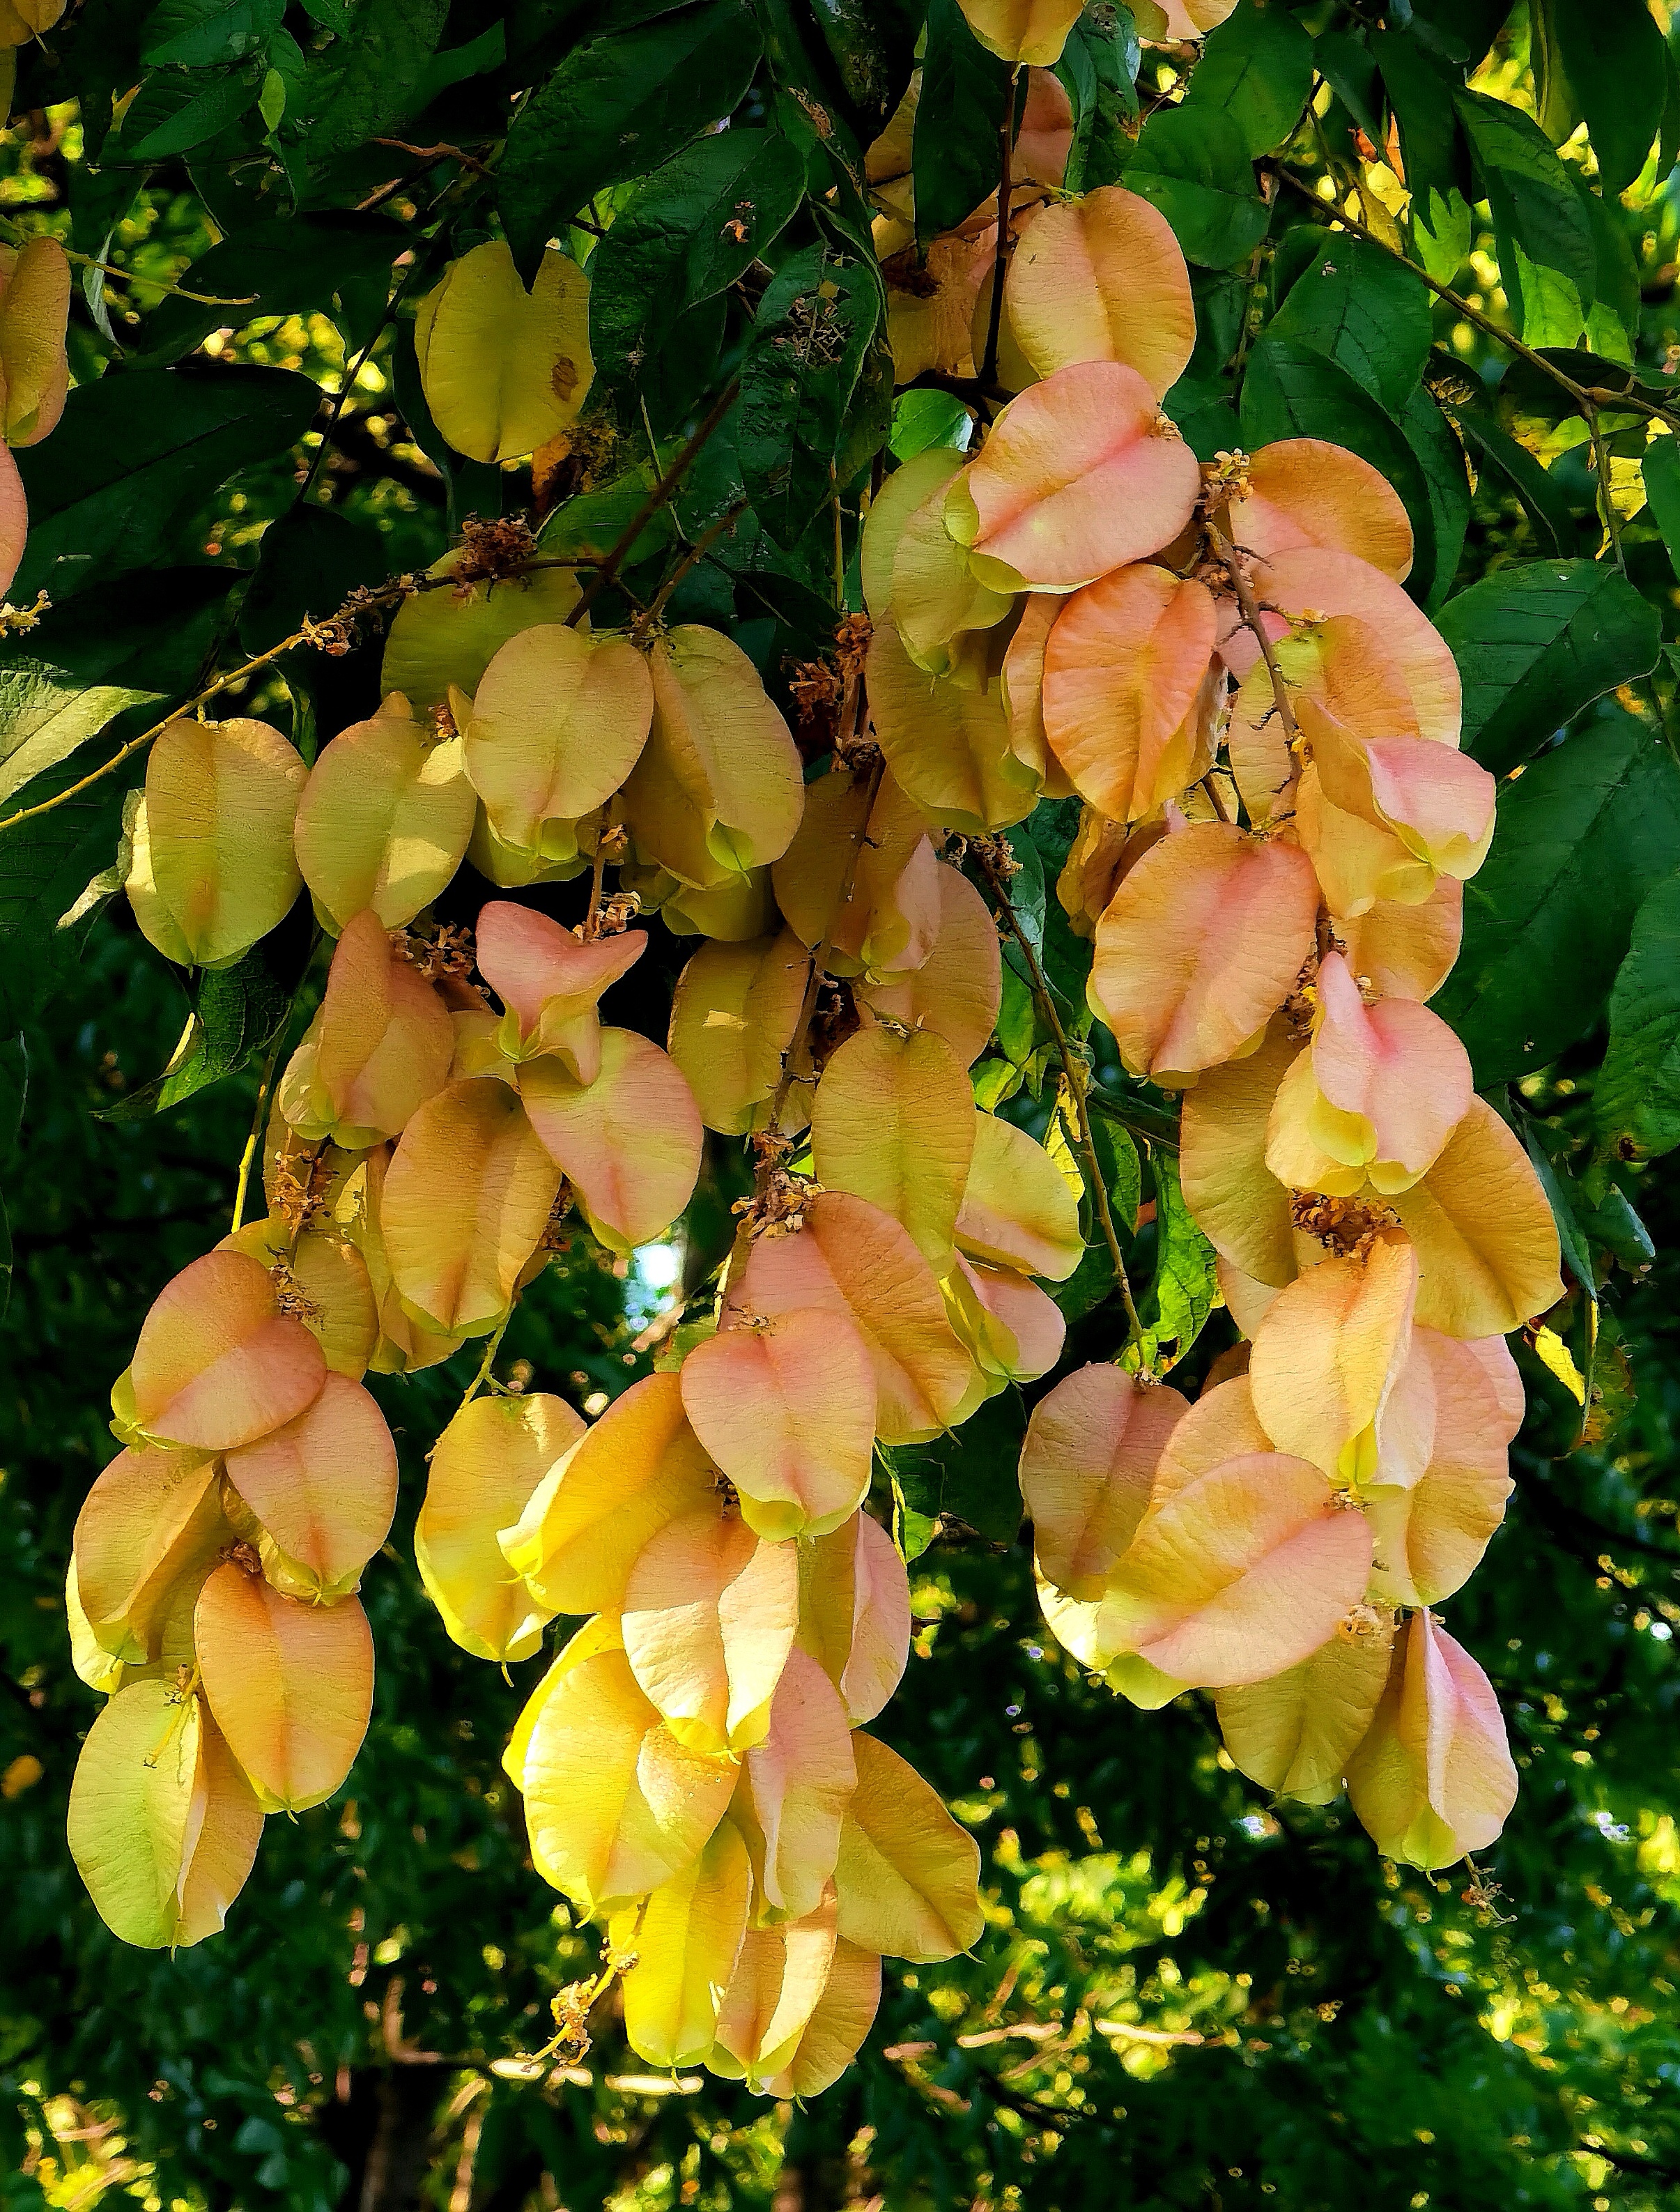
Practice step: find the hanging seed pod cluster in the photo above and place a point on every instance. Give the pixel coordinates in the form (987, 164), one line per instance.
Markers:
(1218, 661)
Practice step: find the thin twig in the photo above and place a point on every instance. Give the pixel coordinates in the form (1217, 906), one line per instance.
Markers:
(1601, 463)
(1583, 395)
(1254, 622)
(660, 494)
(697, 552)
(988, 366)
(1073, 1076)
(486, 1364)
(259, 1113)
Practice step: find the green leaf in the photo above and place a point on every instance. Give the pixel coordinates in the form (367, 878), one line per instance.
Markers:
(964, 97)
(337, 263)
(1441, 458)
(197, 32)
(1184, 1289)
(1099, 69)
(237, 1012)
(1292, 390)
(140, 449)
(171, 114)
(1537, 641)
(872, 50)
(1256, 68)
(618, 106)
(1558, 1186)
(815, 389)
(368, 81)
(1582, 833)
(1350, 71)
(1636, 1097)
(1613, 323)
(1366, 312)
(1194, 166)
(1548, 508)
(686, 234)
(43, 869)
(1612, 55)
(310, 560)
(1660, 469)
(88, 660)
(973, 1476)
(922, 420)
(1420, 92)
(1546, 253)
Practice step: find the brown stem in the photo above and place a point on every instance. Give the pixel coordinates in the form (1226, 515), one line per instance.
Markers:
(1583, 395)
(1073, 1075)
(658, 498)
(820, 957)
(697, 552)
(1254, 622)
(988, 366)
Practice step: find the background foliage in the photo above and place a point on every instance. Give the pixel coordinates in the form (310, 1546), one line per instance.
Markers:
(1186, 1998)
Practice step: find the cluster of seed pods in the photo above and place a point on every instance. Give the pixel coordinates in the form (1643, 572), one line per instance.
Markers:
(1221, 663)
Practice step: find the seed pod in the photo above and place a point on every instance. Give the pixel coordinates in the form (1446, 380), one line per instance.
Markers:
(332, 1292)
(1017, 1210)
(907, 1875)
(686, 1948)
(323, 1491)
(717, 789)
(291, 1686)
(218, 1362)
(1305, 492)
(1124, 665)
(1012, 1331)
(550, 983)
(468, 1195)
(483, 1470)
(947, 743)
(213, 868)
(163, 1826)
(888, 924)
(614, 1803)
(1103, 278)
(1486, 1237)
(1295, 1734)
(34, 309)
(1019, 31)
(1081, 474)
(732, 1019)
(787, 1410)
(596, 1510)
(1087, 1467)
(151, 1516)
(1165, 979)
(558, 722)
(778, 1979)
(1373, 1100)
(630, 1142)
(385, 819)
(1429, 1533)
(794, 1789)
(443, 640)
(1433, 1776)
(894, 1122)
(379, 1047)
(956, 991)
(854, 1613)
(851, 1258)
(504, 369)
(709, 1615)
(1328, 1355)
(1236, 1201)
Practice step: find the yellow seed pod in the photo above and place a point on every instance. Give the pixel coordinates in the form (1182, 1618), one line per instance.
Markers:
(717, 789)
(34, 307)
(213, 869)
(558, 722)
(386, 819)
(23, 20)
(1032, 31)
(440, 639)
(504, 369)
